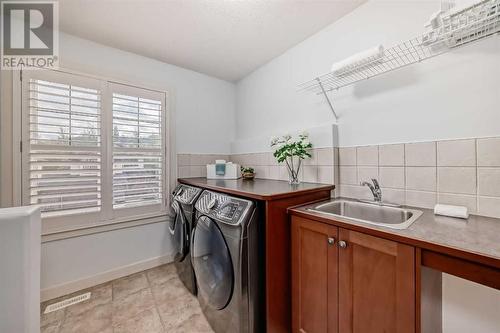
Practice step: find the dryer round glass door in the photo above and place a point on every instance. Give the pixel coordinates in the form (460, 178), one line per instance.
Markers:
(212, 264)
(178, 232)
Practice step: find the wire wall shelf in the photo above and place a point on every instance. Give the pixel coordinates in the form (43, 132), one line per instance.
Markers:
(457, 28)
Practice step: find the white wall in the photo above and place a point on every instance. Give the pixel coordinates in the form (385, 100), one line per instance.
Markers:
(81, 261)
(455, 95)
(204, 106)
(470, 307)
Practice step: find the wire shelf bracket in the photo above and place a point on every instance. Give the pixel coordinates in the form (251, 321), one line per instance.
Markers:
(327, 98)
(457, 28)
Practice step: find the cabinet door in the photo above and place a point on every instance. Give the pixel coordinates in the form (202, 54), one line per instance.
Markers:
(314, 277)
(376, 284)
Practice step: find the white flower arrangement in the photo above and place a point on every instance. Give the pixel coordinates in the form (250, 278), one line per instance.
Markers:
(292, 152)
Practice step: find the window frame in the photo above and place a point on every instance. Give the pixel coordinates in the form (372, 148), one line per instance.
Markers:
(107, 215)
(126, 89)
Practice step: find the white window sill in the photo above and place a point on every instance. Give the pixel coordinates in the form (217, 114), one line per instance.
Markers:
(54, 235)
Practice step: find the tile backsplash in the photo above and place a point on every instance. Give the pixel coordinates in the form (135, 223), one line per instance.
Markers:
(458, 172)
(319, 168)
(195, 165)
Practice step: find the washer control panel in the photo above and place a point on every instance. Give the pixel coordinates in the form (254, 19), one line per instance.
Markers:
(186, 194)
(222, 207)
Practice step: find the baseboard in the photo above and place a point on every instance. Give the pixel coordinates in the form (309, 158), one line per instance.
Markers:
(90, 281)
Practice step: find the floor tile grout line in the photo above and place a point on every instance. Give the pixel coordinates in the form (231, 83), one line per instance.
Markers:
(155, 301)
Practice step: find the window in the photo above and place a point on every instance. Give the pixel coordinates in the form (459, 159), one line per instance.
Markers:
(138, 175)
(92, 149)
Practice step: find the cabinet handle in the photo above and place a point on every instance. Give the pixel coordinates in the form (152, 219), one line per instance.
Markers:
(331, 240)
(342, 244)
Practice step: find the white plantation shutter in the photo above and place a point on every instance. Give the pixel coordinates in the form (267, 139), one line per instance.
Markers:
(64, 153)
(138, 147)
(94, 152)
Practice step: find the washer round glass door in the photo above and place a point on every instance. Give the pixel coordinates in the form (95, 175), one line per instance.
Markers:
(212, 264)
(178, 232)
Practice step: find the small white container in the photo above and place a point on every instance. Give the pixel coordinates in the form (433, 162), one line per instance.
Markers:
(232, 171)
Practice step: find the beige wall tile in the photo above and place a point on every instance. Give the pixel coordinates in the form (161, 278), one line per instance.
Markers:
(456, 153)
(421, 199)
(325, 174)
(421, 178)
(393, 196)
(274, 172)
(310, 174)
(255, 160)
(183, 172)
(264, 159)
(367, 155)
(469, 201)
(195, 159)
(222, 157)
(459, 180)
(366, 174)
(325, 156)
(259, 159)
(272, 159)
(248, 160)
(393, 177)
(183, 159)
(243, 159)
(236, 158)
(207, 159)
(488, 152)
(392, 155)
(420, 154)
(355, 192)
(347, 156)
(283, 173)
(196, 171)
(489, 206)
(262, 172)
(348, 175)
(489, 181)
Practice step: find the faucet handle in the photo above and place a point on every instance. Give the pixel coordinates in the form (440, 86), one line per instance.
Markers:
(375, 183)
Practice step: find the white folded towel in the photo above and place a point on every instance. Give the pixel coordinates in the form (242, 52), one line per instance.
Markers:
(453, 211)
(362, 58)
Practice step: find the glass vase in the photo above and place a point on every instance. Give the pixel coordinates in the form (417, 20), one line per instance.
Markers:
(293, 165)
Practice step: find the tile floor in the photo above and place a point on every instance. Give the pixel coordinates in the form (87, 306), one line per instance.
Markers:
(153, 301)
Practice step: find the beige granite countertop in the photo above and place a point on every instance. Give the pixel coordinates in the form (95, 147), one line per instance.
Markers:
(477, 238)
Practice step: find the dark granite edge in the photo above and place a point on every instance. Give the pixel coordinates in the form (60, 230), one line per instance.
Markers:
(202, 183)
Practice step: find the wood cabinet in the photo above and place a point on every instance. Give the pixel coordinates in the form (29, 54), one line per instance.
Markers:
(314, 277)
(355, 283)
(376, 284)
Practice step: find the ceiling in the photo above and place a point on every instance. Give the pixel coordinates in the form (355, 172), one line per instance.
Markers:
(223, 38)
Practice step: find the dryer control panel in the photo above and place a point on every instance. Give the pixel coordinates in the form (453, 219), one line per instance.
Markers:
(223, 208)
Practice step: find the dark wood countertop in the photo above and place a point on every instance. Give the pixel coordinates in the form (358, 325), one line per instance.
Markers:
(260, 189)
(476, 239)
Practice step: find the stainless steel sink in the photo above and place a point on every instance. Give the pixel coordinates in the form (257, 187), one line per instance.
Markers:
(391, 217)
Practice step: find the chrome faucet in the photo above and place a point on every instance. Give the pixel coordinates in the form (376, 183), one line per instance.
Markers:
(375, 188)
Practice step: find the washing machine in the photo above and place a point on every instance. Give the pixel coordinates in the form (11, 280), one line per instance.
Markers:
(180, 228)
(225, 257)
